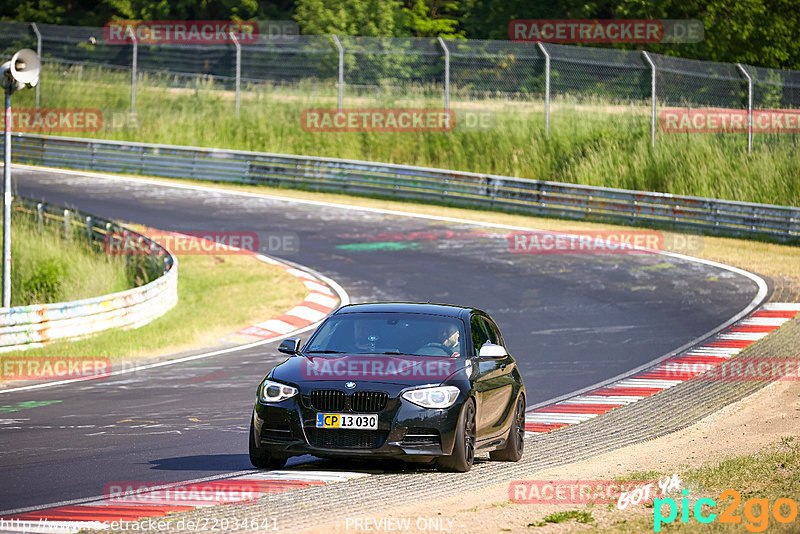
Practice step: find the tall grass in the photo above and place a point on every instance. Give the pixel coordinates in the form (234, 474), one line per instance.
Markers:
(46, 268)
(591, 142)
(217, 295)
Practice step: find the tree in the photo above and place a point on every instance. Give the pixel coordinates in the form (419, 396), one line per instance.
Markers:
(432, 18)
(372, 18)
(97, 13)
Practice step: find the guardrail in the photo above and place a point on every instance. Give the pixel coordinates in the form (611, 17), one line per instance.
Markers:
(24, 327)
(400, 181)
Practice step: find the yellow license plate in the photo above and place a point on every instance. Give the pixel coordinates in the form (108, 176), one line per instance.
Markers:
(346, 420)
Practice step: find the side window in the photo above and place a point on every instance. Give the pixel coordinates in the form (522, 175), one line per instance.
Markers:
(494, 333)
(479, 333)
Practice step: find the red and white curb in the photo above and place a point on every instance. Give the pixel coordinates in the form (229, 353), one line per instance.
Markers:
(99, 514)
(319, 302)
(659, 377)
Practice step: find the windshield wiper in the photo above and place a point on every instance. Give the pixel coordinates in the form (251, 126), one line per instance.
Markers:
(325, 352)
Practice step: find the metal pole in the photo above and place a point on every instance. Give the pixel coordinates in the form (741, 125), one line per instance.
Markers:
(133, 70)
(749, 108)
(652, 98)
(238, 68)
(341, 68)
(7, 203)
(38, 53)
(446, 74)
(546, 89)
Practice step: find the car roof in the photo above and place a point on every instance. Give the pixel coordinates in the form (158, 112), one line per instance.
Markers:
(408, 307)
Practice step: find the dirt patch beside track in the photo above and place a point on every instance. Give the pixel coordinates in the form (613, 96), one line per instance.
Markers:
(742, 428)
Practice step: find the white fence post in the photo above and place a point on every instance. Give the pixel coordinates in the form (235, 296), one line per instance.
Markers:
(546, 89)
(38, 53)
(341, 68)
(133, 69)
(67, 224)
(238, 68)
(749, 108)
(446, 74)
(652, 98)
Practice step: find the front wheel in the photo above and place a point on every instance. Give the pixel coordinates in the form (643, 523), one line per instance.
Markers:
(260, 457)
(512, 452)
(464, 447)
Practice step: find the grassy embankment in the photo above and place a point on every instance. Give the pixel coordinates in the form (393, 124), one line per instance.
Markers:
(218, 294)
(591, 141)
(763, 479)
(45, 268)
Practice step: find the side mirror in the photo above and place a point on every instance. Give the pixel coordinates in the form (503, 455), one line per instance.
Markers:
(290, 346)
(492, 351)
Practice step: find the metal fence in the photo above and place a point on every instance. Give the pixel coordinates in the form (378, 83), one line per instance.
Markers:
(459, 71)
(420, 183)
(25, 327)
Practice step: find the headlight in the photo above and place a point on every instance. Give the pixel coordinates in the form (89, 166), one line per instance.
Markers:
(437, 397)
(276, 392)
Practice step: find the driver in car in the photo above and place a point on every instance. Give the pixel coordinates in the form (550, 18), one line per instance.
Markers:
(451, 340)
(449, 344)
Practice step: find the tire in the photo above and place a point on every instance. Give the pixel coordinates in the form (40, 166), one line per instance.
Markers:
(464, 447)
(515, 444)
(260, 457)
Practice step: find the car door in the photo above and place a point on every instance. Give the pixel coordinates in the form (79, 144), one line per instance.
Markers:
(493, 381)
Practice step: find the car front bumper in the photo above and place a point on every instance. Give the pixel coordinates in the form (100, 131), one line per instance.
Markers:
(405, 430)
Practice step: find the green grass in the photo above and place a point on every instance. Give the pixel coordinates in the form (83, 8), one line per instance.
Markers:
(771, 474)
(217, 296)
(45, 268)
(581, 516)
(591, 142)
(640, 475)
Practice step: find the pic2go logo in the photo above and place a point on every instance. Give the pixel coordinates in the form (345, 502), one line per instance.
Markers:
(783, 511)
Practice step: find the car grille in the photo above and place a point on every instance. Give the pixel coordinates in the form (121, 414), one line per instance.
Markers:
(368, 401)
(331, 438)
(327, 399)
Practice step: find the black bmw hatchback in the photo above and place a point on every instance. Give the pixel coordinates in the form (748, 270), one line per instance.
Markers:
(417, 382)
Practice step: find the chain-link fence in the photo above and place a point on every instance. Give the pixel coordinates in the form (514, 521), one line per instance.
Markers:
(360, 71)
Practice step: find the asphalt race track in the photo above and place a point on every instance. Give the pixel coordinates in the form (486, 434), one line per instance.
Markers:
(571, 320)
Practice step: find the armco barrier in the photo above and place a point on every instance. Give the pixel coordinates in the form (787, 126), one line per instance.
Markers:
(23, 327)
(401, 181)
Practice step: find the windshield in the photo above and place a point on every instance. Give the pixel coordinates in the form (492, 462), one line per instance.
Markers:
(389, 333)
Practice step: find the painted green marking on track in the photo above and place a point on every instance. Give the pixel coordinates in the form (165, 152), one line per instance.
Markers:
(378, 245)
(25, 405)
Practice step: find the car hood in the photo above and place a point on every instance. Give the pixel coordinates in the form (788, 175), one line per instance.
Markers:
(399, 370)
